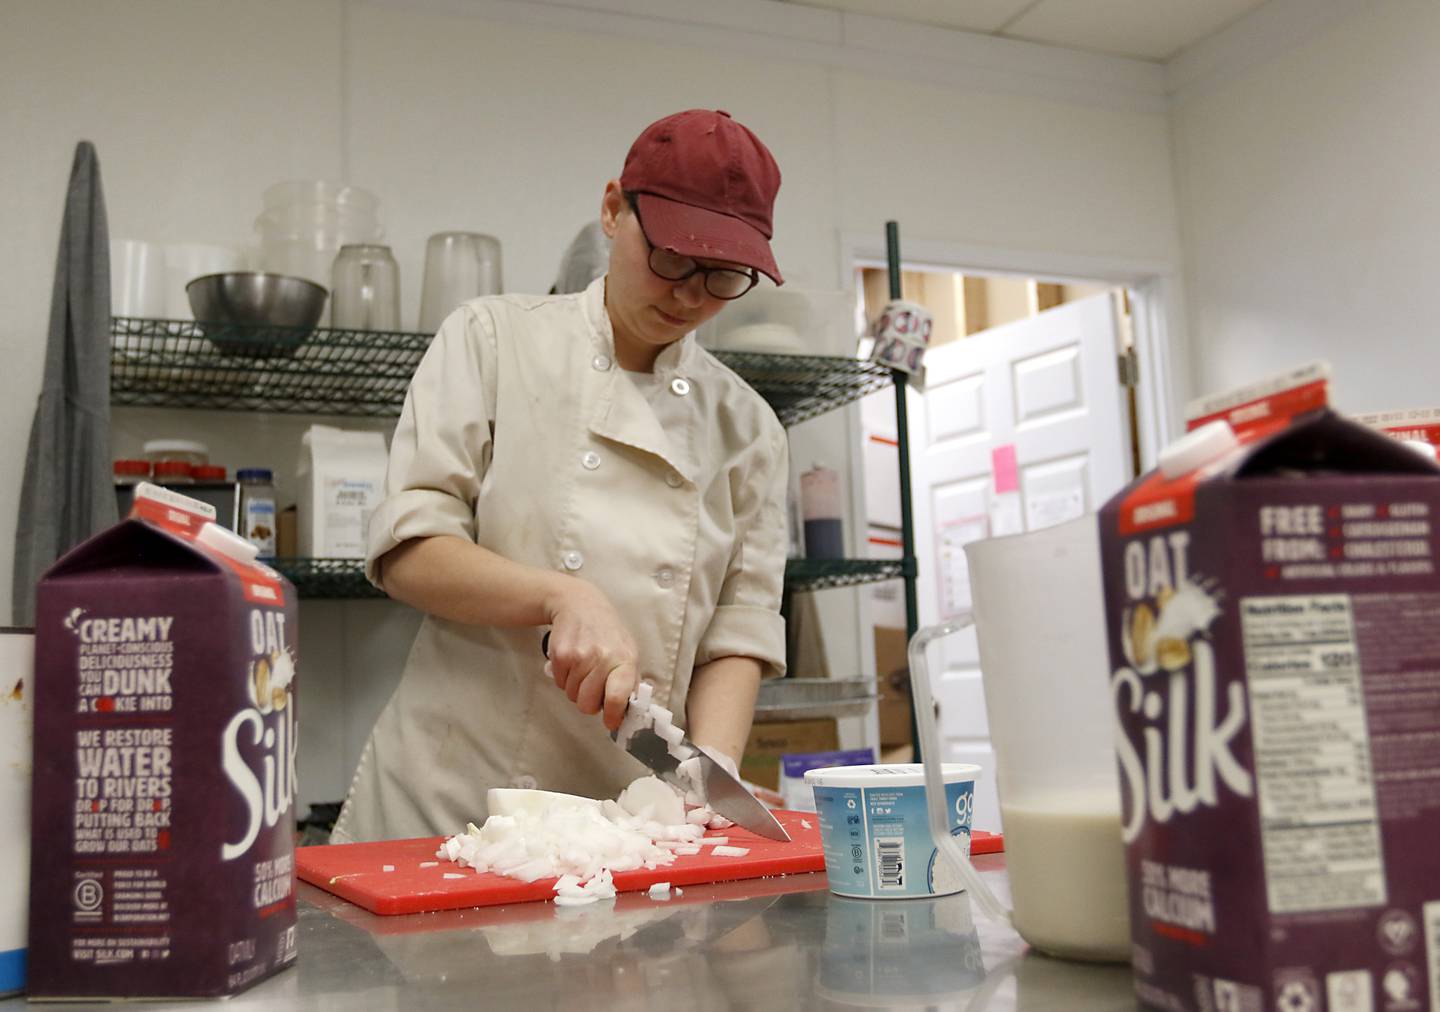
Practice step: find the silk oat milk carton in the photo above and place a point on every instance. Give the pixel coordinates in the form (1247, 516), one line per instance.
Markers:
(163, 817)
(1274, 631)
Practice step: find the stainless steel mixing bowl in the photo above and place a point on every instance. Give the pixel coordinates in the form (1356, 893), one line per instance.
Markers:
(251, 313)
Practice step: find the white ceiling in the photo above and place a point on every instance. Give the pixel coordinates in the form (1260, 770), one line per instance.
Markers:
(1143, 29)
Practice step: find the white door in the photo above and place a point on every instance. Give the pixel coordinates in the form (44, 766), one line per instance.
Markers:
(1020, 427)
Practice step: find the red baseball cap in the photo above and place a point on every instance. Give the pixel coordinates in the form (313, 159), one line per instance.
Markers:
(706, 188)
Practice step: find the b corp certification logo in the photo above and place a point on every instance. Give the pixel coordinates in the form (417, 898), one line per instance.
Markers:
(89, 894)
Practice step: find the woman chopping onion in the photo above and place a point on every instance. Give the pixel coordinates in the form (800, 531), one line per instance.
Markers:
(578, 462)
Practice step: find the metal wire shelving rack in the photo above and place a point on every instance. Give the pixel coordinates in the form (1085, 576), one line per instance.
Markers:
(364, 373)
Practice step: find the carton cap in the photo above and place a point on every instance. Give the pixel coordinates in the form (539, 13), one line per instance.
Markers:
(225, 542)
(1424, 449)
(1197, 448)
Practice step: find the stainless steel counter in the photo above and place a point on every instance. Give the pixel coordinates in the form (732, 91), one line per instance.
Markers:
(765, 944)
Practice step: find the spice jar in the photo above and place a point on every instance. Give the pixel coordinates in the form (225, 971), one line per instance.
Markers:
(257, 508)
(820, 503)
(207, 472)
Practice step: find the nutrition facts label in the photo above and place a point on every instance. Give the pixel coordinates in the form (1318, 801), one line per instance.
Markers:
(1318, 818)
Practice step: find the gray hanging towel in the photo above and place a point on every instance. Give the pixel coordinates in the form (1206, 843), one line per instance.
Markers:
(69, 493)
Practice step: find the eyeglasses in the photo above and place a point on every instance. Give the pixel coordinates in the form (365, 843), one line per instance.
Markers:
(721, 282)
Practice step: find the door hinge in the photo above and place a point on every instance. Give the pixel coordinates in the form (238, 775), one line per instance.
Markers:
(1129, 364)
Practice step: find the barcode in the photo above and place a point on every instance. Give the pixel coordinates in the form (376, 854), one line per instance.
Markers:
(893, 926)
(891, 854)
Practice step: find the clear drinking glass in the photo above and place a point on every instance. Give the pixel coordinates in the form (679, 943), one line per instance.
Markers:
(365, 289)
(458, 266)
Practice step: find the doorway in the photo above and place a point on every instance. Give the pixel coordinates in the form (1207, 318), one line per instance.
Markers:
(1029, 414)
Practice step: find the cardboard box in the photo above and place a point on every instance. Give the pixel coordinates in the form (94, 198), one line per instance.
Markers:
(287, 544)
(162, 857)
(892, 670)
(769, 740)
(1274, 649)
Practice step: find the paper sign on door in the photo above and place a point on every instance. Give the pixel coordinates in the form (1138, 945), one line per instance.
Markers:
(1046, 509)
(1005, 512)
(950, 541)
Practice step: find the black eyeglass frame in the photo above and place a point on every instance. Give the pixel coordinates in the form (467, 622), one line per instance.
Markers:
(695, 266)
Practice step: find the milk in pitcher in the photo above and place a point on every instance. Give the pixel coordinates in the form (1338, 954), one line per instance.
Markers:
(1066, 867)
(1042, 651)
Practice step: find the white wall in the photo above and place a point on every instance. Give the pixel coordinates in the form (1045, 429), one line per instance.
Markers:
(508, 117)
(1311, 208)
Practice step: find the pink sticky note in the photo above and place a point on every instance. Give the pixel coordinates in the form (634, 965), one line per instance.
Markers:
(1007, 470)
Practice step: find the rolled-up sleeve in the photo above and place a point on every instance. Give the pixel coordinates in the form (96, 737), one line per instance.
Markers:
(747, 620)
(442, 443)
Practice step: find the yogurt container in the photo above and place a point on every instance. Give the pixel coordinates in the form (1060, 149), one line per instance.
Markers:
(17, 692)
(876, 834)
(921, 954)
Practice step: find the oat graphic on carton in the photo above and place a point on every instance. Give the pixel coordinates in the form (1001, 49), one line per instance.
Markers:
(1152, 643)
(270, 676)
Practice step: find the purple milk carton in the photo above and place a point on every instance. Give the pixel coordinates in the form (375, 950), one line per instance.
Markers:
(163, 857)
(1273, 616)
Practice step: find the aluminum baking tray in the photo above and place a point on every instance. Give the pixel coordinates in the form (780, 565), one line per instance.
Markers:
(799, 698)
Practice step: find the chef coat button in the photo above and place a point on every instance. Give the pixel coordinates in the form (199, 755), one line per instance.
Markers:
(524, 782)
(665, 576)
(600, 363)
(679, 386)
(573, 560)
(674, 480)
(591, 460)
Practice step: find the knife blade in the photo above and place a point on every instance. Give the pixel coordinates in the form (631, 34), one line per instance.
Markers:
(724, 793)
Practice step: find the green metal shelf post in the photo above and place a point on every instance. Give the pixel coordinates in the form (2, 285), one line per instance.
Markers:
(902, 439)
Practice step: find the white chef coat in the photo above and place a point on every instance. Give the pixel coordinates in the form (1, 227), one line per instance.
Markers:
(521, 433)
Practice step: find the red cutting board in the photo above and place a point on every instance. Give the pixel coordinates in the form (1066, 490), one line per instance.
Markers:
(355, 871)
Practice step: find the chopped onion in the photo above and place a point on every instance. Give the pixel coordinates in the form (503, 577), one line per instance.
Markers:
(581, 842)
(651, 798)
(510, 801)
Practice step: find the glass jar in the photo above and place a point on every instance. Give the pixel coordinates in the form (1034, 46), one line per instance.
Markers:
(208, 472)
(365, 289)
(257, 508)
(128, 474)
(131, 472)
(174, 472)
(190, 452)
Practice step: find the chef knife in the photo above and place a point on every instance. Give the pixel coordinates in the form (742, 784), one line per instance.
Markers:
(724, 793)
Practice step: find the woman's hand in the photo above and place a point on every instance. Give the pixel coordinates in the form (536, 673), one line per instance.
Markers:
(592, 655)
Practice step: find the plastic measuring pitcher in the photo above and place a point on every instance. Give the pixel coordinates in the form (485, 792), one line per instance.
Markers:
(1040, 619)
